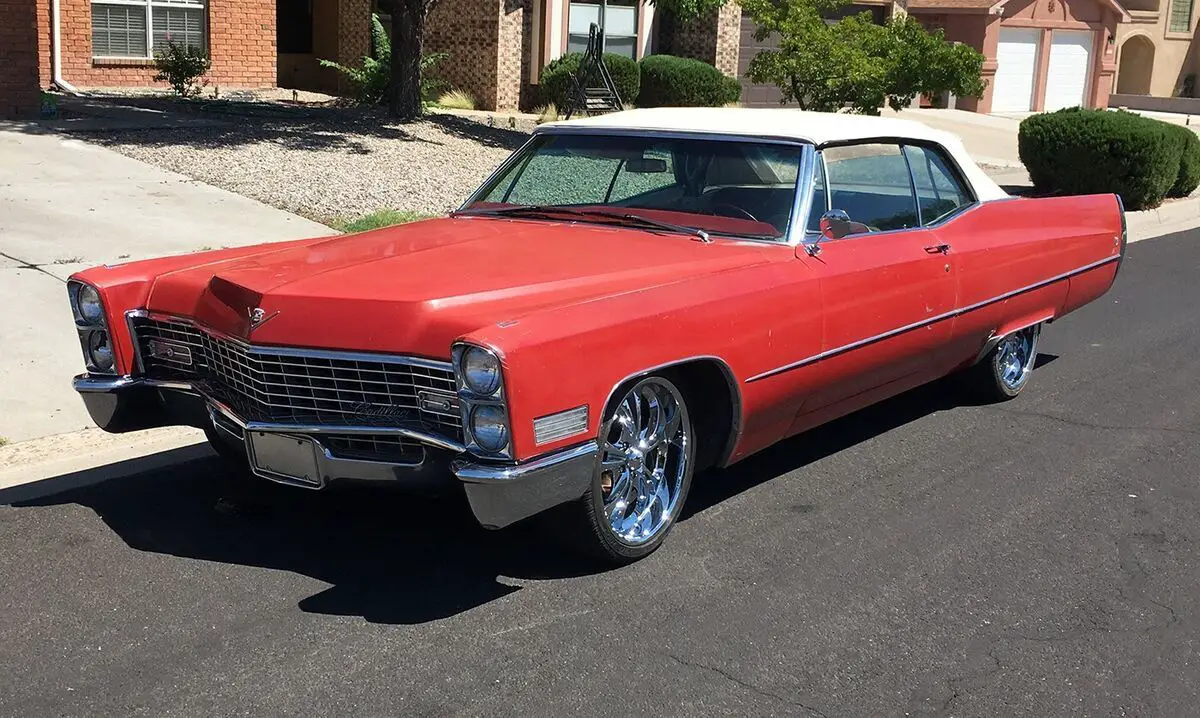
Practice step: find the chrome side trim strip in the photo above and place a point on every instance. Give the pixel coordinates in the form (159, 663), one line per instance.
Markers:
(926, 322)
(485, 474)
(287, 351)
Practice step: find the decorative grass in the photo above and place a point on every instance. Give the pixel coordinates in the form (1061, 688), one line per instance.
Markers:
(377, 220)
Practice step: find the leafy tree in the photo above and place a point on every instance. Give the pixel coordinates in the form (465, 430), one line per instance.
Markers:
(826, 65)
(687, 9)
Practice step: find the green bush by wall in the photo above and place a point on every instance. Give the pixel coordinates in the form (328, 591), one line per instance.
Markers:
(1080, 151)
(556, 77)
(669, 81)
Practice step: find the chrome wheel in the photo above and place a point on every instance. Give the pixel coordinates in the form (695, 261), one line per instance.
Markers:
(645, 457)
(1015, 356)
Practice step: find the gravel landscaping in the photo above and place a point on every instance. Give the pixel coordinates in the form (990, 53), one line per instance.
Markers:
(328, 164)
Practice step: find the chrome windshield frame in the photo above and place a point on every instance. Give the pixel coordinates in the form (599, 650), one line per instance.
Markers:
(801, 200)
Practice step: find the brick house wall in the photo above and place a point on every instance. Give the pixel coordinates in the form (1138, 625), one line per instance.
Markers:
(489, 42)
(22, 49)
(515, 53)
(241, 36)
(714, 38)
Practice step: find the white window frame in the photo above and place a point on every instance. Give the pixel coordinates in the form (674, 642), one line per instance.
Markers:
(637, 26)
(201, 5)
(1191, 9)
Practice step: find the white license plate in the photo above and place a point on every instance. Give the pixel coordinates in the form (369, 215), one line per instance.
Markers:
(286, 458)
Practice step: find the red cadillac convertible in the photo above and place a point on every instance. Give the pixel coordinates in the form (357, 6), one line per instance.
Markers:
(627, 300)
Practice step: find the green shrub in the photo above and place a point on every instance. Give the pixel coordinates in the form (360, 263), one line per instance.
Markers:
(1189, 161)
(669, 81)
(1078, 151)
(556, 78)
(182, 66)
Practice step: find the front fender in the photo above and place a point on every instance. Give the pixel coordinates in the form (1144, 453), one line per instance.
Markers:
(562, 359)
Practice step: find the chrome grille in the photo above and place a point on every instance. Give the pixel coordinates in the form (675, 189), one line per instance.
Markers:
(298, 386)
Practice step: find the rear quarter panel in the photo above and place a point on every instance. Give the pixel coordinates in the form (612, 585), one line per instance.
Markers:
(1017, 260)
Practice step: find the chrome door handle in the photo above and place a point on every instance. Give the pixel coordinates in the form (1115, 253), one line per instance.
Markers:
(938, 249)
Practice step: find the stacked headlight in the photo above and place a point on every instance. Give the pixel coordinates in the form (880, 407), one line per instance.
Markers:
(94, 336)
(481, 395)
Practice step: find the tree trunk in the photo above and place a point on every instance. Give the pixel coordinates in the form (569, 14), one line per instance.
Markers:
(408, 30)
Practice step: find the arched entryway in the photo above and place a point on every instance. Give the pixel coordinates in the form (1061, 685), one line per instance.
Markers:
(1136, 66)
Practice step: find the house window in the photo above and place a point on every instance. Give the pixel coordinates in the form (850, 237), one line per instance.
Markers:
(1181, 16)
(139, 28)
(620, 26)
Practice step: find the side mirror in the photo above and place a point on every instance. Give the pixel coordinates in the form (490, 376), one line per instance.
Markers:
(835, 224)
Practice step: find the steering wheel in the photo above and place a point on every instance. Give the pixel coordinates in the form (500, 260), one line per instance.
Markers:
(738, 211)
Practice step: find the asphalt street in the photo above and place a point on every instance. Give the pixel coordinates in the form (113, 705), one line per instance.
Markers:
(922, 557)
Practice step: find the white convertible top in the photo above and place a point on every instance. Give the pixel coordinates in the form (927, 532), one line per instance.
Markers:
(819, 128)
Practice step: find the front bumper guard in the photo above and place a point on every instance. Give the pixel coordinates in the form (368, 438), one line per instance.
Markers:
(499, 494)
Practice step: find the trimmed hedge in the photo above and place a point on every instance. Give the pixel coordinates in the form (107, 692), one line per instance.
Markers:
(556, 78)
(1078, 151)
(669, 81)
(1189, 162)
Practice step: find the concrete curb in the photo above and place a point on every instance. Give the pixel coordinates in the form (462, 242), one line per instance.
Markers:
(52, 464)
(1170, 217)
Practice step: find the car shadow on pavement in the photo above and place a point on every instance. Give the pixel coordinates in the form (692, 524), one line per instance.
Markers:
(397, 559)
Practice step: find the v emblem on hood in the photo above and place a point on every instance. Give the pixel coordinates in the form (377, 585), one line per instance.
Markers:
(259, 317)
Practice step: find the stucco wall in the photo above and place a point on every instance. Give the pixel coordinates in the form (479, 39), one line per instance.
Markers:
(1175, 54)
(983, 32)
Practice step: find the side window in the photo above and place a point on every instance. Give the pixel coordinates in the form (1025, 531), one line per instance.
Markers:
(870, 182)
(820, 200)
(940, 192)
(654, 171)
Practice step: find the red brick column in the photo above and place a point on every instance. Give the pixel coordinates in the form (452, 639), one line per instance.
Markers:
(20, 59)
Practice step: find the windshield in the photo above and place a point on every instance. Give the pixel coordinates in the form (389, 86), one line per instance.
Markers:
(725, 187)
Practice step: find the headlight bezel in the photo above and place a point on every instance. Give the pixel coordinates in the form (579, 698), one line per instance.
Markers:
(490, 364)
(82, 318)
(91, 326)
(470, 401)
(500, 419)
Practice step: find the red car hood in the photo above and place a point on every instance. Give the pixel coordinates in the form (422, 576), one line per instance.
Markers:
(416, 288)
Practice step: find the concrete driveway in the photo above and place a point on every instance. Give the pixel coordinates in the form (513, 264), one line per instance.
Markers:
(66, 205)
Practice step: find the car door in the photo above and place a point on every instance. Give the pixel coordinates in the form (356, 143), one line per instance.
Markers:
(888, 288)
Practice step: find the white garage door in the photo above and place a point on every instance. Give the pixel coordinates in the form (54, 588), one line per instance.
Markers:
(1070, 65)
(1016, 67)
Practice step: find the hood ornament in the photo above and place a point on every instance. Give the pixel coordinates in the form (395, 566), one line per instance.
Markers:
(258, 317)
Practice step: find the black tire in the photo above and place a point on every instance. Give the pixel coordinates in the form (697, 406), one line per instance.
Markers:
(589, 524)
(1004, 372)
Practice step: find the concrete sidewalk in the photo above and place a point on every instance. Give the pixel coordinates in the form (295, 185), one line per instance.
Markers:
(990, 140)
(66, 205)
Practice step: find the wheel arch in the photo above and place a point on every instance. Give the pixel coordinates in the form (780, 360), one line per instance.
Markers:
(719, 412)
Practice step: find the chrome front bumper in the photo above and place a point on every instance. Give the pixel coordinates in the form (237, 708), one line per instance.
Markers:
(500, 494)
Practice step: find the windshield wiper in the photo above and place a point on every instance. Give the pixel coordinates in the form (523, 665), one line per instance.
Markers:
(632, 219)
